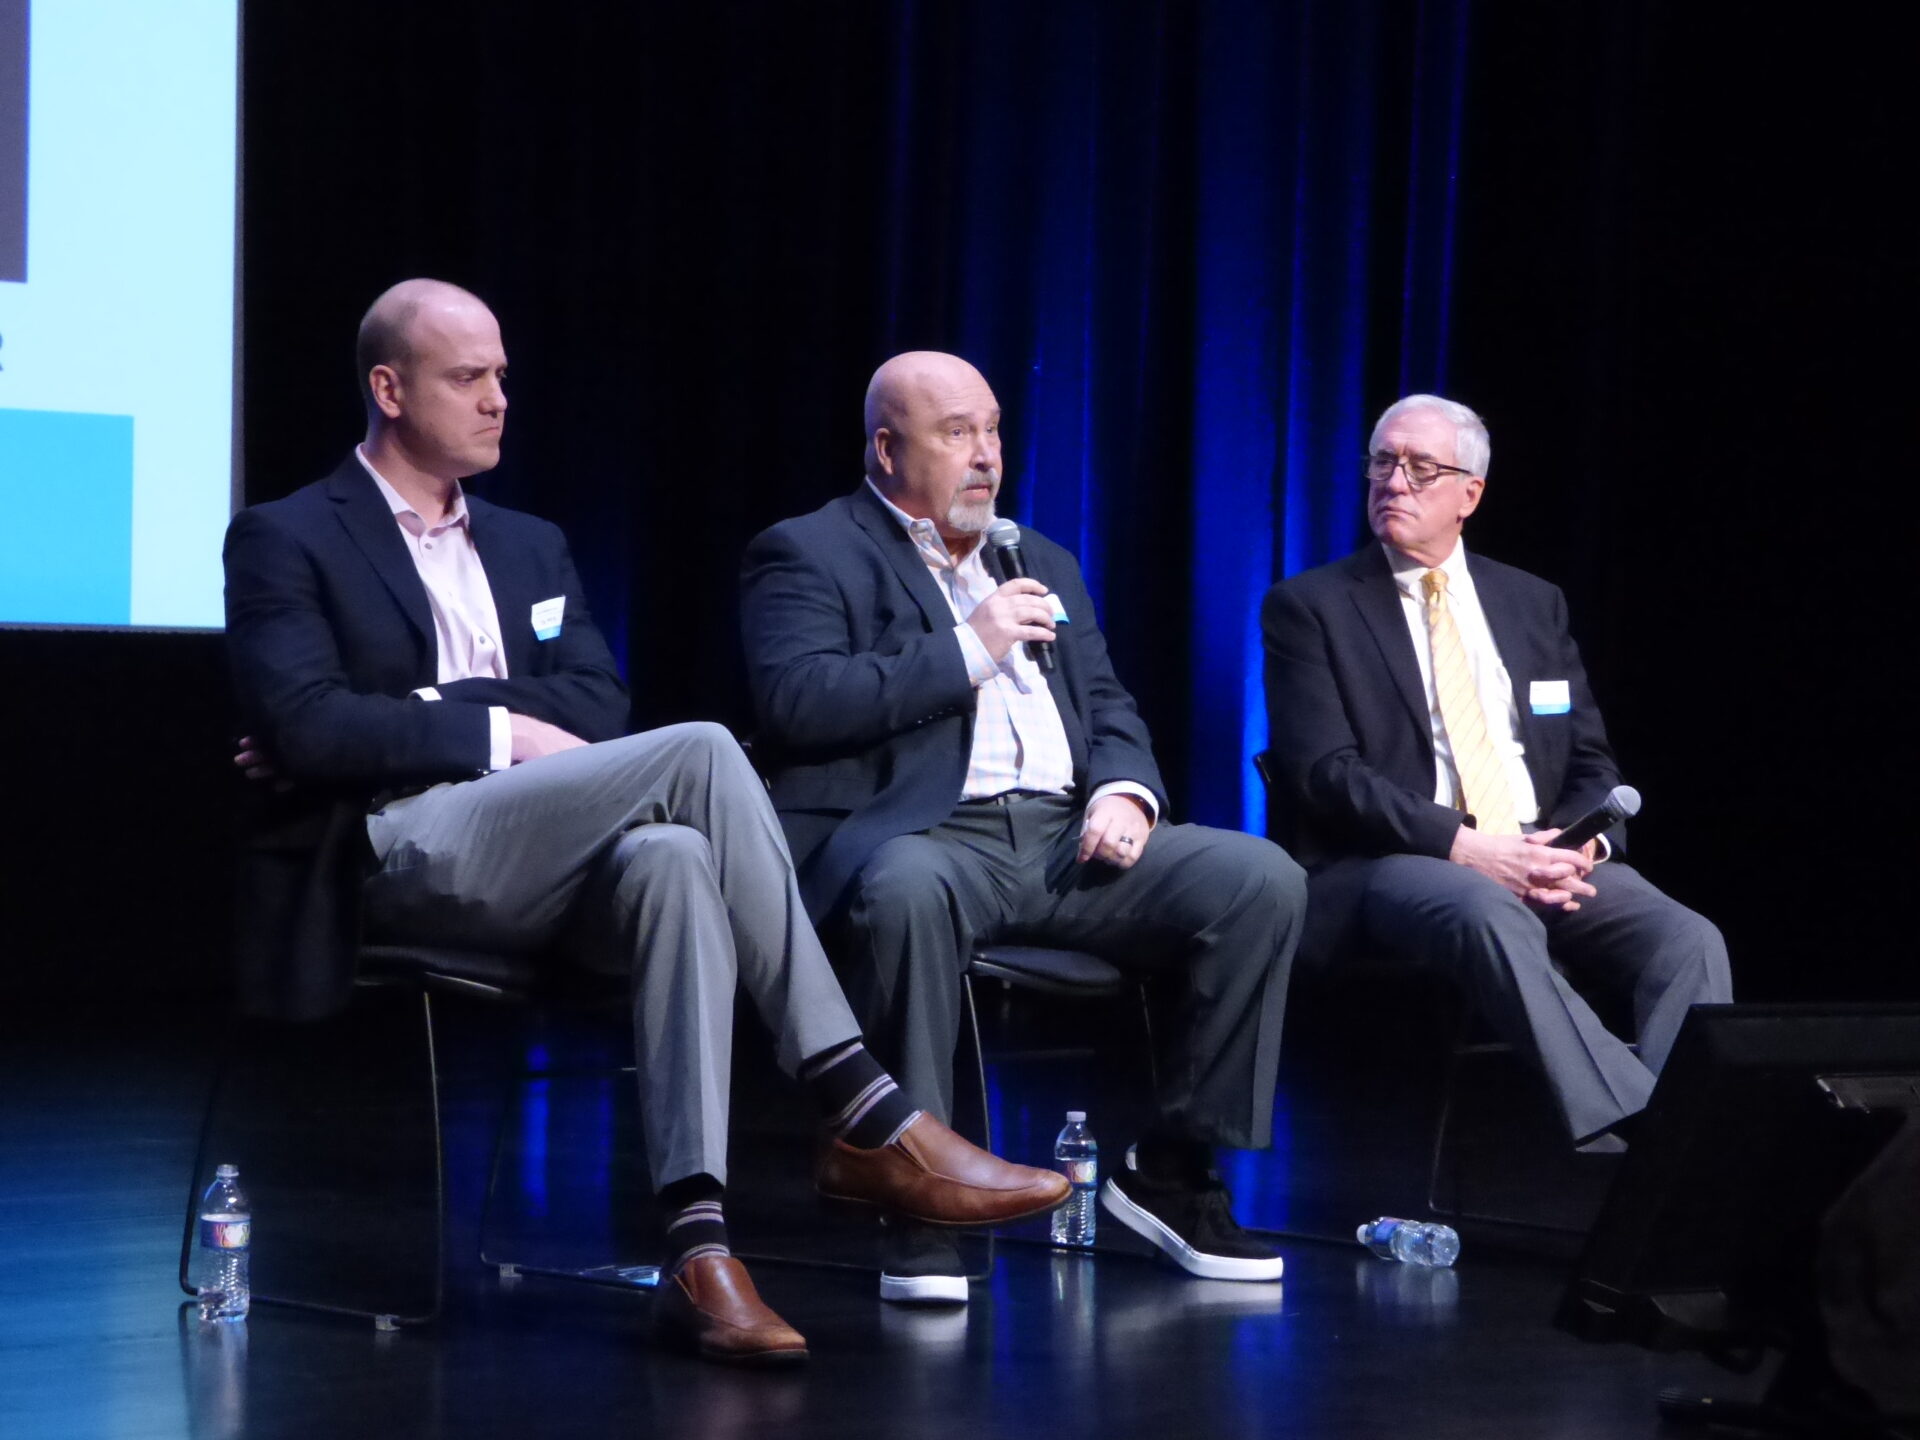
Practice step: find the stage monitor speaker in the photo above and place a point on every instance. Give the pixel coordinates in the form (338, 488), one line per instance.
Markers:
(1762, 1117)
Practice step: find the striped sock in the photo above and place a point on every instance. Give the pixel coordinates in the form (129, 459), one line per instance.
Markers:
(859, 1101)
(696, 1225)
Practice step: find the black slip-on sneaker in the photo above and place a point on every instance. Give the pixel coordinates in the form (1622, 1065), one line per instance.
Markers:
(1192, 1224)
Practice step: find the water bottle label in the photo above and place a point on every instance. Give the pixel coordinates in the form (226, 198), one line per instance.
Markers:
(225, 1234)
(1080, 1172)
(1382, 1233)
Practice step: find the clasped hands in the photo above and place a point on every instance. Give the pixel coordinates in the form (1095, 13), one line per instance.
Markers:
(1530, 866)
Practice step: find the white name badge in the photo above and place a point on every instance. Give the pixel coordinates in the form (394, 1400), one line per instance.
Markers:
(546, 617)
(1549, 697)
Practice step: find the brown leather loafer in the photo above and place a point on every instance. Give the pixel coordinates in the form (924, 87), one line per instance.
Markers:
(934, 1176)
(712, 1307)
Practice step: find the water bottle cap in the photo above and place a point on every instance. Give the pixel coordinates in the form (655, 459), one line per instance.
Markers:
(1076, 1117)
(227, 1172)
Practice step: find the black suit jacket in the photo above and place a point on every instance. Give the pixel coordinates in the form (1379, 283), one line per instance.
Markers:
(861, 690)
(328, 634)
(1351, 743)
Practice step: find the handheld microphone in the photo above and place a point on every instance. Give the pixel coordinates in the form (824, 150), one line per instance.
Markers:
(1004, 536)
(1622, 801)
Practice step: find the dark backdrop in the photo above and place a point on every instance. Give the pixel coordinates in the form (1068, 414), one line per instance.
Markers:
(1196, 246)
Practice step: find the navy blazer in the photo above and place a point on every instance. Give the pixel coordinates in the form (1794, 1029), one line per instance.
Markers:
(861, 690)
(328, 634)
(1351, 744)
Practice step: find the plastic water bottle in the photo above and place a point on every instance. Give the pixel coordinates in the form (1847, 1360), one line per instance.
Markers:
(226, 1242)
(1078, 1158)
(1412, 1241)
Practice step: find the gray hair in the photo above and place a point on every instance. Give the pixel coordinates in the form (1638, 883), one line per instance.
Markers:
(1472, 449)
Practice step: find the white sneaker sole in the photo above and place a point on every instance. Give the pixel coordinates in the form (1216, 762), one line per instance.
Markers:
(1150, 1227)
(923, 1289)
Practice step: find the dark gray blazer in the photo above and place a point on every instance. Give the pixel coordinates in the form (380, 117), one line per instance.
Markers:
(861, 691)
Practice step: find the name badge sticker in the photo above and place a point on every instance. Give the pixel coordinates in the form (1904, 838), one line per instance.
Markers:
(1549, 697)
(546, 617)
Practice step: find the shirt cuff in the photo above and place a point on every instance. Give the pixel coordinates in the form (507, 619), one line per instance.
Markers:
(1602, 850)
(500, 738)
(1129, 787)
(426, 692)
(980, 664)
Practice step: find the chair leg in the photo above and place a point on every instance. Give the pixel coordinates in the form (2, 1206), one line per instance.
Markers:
(327, 1182)
(1455, 1054)
(986, 1111)
(611, 1274)
(1462, 1049)
(979, 1065)
(1153, 1048)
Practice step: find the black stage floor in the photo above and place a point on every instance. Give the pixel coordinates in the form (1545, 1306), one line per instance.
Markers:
(97, 1128)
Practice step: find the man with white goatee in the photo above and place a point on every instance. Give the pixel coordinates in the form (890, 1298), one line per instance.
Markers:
(939, 787)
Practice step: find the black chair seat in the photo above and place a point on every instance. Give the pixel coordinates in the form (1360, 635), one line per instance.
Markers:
(482, 974)
(510, 978)
(1073, 973)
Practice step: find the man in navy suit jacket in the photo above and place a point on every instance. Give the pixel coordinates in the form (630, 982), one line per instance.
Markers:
(418, 668)
(939, 787)
(1368, 789)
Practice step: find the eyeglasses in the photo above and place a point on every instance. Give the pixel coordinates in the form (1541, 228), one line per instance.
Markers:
(1421, 472)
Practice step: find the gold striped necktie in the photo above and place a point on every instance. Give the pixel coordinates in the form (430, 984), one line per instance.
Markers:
(1484, 791)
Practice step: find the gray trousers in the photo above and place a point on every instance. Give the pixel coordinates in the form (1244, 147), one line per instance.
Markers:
(657, 855)
(1630, 939)
(1218, 911)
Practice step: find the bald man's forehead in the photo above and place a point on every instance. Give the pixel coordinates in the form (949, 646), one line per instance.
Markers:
(453, 316)
(948, 393)
(923, 380)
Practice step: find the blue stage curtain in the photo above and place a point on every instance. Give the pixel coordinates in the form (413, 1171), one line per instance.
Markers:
(1168, 234)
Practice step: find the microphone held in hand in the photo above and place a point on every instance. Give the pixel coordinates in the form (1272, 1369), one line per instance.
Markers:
(1004, 536)
(1622, 801)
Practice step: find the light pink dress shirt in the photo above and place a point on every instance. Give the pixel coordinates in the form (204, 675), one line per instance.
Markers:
(466, 626)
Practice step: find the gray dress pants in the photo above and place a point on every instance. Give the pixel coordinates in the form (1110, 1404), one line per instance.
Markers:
(1216, 911)
(1630, 939)
(657, 855)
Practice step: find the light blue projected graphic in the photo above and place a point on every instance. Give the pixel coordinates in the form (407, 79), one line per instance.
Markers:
(126, 304)
(66, 490)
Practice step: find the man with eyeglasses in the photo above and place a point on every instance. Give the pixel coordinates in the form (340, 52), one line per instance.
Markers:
(1432, 731)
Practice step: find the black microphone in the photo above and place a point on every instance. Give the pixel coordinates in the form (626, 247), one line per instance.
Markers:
(1005, 538)
(1622, 801)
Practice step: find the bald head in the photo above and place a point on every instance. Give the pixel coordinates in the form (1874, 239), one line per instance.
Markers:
(915, 382)
(388, 329)
(933, 441)
(433, 371)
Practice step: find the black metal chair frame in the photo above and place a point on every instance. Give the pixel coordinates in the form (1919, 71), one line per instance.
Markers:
(1463, 1047)
(1067, 974)
(501, 979)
